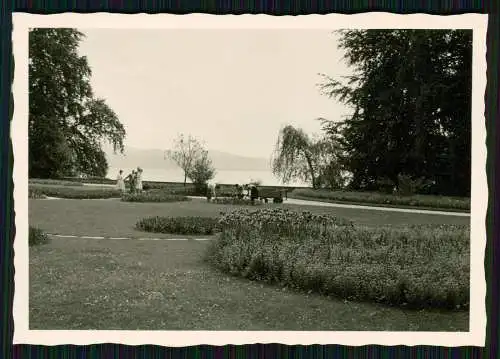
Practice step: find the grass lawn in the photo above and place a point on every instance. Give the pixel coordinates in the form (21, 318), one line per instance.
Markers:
(114, 218)
(425, 202)
(147, 285)
(74, 192)
(80, 283)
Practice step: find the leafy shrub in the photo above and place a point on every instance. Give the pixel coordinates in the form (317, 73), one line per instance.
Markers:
(172, 187)
(234, 201)
(408, 186)
(179, 225)
(76, 192)
(92, 180)
(202, 171)
(386, 185)
(35, 194)
(37, 236)
(54, 182)
(415, 266)
(435, 202)
(153, 196)
(188, 191)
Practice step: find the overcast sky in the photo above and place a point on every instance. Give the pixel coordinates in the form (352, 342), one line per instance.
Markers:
(234, 89)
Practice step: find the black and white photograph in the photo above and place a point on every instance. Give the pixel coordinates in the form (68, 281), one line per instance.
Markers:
(253, 179)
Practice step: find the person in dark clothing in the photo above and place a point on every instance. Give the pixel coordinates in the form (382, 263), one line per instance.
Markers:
(254, 193)
(131, 181)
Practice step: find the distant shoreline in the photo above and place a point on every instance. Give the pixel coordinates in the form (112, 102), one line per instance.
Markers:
(229, 177)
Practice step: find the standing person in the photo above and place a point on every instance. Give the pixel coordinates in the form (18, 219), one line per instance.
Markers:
(241, 192)
(210, 191)
(120, 183)
(216, 188)
(131, 181)
(254, 193)
(138, 180)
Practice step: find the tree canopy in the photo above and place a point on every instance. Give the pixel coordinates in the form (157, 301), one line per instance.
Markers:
(410, 95)
(299, 156)
(186, 152)
(202, 170)
(68, 125)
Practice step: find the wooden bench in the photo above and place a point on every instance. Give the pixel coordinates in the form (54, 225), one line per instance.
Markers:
(276, 194)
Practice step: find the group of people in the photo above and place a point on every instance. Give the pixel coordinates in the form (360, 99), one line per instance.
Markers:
(249, 191)
(134, 180)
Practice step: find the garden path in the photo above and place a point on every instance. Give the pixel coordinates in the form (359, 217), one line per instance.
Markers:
(139, 239)
(390, 209)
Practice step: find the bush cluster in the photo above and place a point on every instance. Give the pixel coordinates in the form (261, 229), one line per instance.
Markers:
(37, 236)
(233, 201)
(384, 199)
(93, 180)
(153, 196)
(35, 194)
(179, 225)
(170, 188)
(414, 266)
(54, 182)
(75, 192)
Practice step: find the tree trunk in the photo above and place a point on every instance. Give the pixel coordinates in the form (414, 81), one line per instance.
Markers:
(311, 170)
(185, 178)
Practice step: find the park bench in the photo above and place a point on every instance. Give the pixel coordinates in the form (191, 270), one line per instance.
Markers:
(276, 194)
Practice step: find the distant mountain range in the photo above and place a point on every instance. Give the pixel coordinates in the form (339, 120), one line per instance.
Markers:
(154, 158)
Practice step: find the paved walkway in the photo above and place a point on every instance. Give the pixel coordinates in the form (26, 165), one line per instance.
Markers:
(139, 239)
(375, 208)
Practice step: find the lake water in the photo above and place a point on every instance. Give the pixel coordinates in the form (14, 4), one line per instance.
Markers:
(227, 177)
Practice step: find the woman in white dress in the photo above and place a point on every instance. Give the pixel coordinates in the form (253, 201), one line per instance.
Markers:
(138, 180)
(210, 191)
(120, 182)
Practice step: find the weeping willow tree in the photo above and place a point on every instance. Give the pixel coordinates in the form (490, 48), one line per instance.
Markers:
(298, 156)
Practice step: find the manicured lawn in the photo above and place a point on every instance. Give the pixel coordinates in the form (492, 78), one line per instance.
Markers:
(148, 285)
(117, 219)
(78, 283)
(75, 192)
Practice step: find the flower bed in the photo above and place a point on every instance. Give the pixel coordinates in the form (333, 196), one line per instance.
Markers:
(179, 225)
(156, 196)
(434, 202)
(234, 201)
(37, 236)
(77, 192)
(414, 266)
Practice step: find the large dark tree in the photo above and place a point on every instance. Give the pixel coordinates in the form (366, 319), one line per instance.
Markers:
(67, 124)
(410, 94)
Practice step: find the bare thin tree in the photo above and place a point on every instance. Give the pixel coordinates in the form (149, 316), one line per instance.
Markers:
(185, 152)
